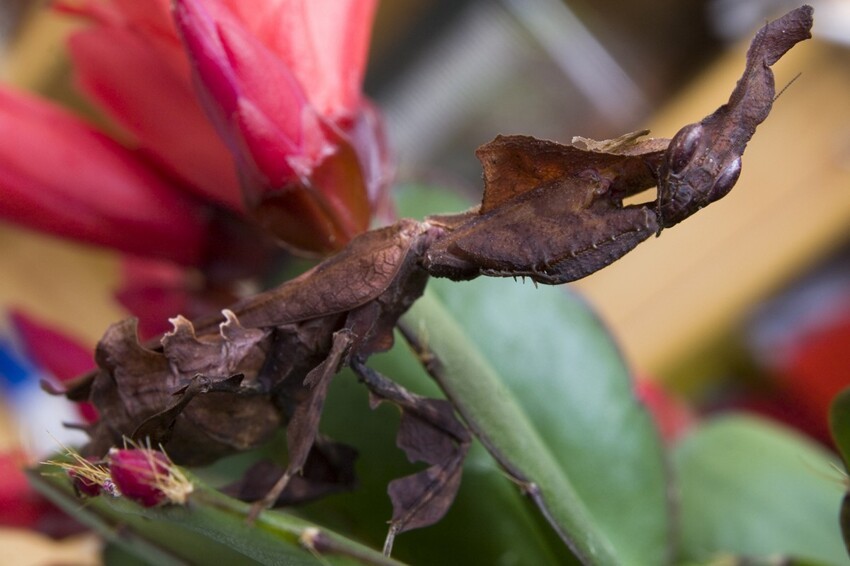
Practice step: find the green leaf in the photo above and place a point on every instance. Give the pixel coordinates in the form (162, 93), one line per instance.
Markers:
(839, 426)
(210, 529)
(753, 488)
(490, 522)
(540, 382)
(839, 423)
(772, 560)
(419, 201)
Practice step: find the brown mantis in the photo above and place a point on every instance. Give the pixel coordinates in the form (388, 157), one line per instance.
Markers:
(550, 212)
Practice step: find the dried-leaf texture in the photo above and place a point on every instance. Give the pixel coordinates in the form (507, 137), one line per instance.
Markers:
(703, 161)
(551, 212)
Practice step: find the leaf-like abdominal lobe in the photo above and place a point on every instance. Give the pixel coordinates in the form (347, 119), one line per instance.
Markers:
(552, 212)
(184, 392)
(353, 277)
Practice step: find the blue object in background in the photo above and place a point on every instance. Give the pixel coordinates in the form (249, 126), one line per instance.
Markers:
(39, 417)
(14, 369)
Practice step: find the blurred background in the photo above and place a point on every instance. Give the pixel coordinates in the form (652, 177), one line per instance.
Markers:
(745, 305)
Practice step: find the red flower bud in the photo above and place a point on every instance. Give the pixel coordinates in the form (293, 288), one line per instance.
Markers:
(89, 477)
(85, 484)
(147, 477)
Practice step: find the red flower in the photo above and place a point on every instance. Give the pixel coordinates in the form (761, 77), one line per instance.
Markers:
(291, 112)
(60, 175)
(814, 368)
(253, 103)
(672, 416)
(131, 63)
(281, 82)
(62, 357)
(22, 507)
(159, 290)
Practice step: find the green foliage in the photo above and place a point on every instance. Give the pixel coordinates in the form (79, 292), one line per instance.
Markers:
(490, 522)
(839, 426)
(543, 386)
(210, 529)
(752, 488)
(839, 423)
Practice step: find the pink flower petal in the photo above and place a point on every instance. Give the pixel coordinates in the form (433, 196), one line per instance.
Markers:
(307, 178)
(150, 14)
(50, 349)
(60, 175)
(132, 63)
(672, 416)
(324, 42)
(253, 99)
(368, 138)
(20, 506)
(154, 291)
(55, 352)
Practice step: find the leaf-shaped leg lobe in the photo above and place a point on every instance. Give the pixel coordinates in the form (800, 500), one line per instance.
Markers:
(429, 432)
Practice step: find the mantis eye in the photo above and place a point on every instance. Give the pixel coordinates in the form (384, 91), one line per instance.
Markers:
(725, 181)
(683, 147)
